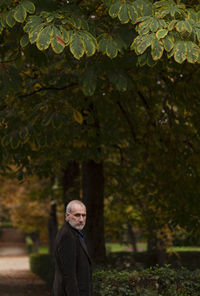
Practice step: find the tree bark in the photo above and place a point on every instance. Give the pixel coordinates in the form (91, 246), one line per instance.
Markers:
(132, 238)
(93, 197)
(52, 226)
(71, 182)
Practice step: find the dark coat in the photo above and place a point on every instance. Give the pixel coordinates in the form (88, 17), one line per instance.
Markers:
(72, 264)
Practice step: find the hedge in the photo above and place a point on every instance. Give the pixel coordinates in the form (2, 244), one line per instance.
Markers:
(42, 265)
(154, 281)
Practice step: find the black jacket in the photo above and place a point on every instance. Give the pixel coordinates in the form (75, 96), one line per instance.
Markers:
(73, 276)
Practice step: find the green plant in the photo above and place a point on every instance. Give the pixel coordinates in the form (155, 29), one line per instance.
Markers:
(156, 281)
(42, 266)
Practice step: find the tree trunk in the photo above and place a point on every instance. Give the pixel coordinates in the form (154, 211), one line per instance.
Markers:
(156, 248)
(93, 197)
(52, 226)
(71, 182)
(132, 238)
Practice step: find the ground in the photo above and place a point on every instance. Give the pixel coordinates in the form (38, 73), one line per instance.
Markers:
(16, 278)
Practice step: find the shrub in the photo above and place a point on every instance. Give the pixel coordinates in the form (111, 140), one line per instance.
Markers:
(155, 281)
(124, 260)
(42, 266)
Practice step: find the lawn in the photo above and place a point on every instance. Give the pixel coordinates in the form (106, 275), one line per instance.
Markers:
(116, 247)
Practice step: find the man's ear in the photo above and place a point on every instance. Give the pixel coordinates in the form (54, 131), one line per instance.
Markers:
(67, 216)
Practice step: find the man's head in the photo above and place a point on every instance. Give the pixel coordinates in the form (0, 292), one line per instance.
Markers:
(76, 214)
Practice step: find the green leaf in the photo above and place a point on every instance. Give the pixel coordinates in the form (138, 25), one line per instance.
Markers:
(20, 14)
(154, 25)
(90, 44)
(89, 81)
(44, 38)
(180, 26)
(77, 46)
(119, 79)
(132, 13)
(65, 35)
(29, 6)
(123, 14)
(161, 33)
(102, 42)
(10, 19)
(168, 43)
(150, 61)
(24, 40)
(188, 26)
(180, 52)
(156, 49)
(193, 52)
(144, 27)
(145, 42)
(57, 46)
(33, 33)
(32, 21)
(114, 9)
(111, 48)
(172, 25)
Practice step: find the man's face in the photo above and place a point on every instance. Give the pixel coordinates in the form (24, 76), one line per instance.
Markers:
(77, 217)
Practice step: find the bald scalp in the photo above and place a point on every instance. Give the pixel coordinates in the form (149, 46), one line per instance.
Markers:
(72, 203)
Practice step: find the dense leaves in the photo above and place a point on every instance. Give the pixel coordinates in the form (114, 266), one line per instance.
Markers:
(156, 24)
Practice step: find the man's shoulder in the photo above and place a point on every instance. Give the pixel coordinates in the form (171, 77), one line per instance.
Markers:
(66, 229)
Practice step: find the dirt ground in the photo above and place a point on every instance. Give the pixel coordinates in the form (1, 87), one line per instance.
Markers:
(16, 278)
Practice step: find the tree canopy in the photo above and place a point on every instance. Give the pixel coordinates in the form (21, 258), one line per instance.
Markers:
(109, 81)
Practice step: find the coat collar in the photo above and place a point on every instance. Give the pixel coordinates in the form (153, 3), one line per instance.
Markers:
(83, 244)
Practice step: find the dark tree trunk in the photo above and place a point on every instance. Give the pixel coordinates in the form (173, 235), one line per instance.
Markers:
(93, 197)
(156, 248)
(71, 182)
(52, 226)
(132, 238)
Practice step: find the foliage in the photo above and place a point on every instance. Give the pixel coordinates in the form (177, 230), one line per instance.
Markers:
(130, 260)
(150, 282)
(161, 26)
(71, 89)
(27, 204)
(42, 266)
(154, 281)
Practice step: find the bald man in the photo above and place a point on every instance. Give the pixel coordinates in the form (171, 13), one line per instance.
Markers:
(73, 275)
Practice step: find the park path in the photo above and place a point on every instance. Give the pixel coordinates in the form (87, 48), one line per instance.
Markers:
(16, 278)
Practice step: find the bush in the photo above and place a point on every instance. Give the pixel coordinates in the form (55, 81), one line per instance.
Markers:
(155, 281)
(42, 265)
(124, 260)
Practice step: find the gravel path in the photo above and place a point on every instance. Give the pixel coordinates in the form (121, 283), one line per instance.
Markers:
(15, 276)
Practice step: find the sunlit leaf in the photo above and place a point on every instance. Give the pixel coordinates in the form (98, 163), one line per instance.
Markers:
(123, 14)
(156, 49)
(161, 33)
(20, 14)
(78, 117)
(44, 38)
(77, 46)
(10, 19)
(180, 52)
(24, 41)
(57, 42)
(28, 5)
(114, 9)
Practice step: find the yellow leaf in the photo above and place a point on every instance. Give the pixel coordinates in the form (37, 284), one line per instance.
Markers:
(78, 116)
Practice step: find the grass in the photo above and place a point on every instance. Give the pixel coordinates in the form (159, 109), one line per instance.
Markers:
(184, 249)
(116, 247)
